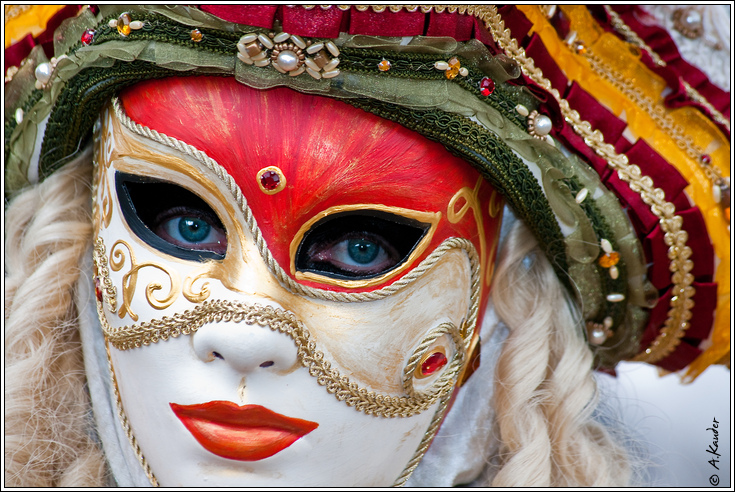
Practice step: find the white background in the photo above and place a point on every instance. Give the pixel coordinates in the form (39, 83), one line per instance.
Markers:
(672, 420)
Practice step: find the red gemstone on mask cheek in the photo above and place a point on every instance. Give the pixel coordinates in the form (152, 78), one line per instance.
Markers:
(270, 180)
(433, 363)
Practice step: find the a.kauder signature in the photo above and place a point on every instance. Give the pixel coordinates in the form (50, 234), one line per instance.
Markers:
(712, 449)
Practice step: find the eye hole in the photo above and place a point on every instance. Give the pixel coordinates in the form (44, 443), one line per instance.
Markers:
(358, 245)
(171, 218)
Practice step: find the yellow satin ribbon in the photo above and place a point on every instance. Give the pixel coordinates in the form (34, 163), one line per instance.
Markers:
(624, 60)
(21, 20)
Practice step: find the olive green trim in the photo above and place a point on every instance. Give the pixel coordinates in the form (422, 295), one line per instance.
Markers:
(160, 28)
(497, 163)
(81, 101)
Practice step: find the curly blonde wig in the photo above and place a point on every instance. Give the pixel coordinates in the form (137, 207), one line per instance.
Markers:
(545, 391)
(48, 431)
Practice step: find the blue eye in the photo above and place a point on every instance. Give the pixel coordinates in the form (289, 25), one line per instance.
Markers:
(171, 218)
(193, 229)
(184, 228)
(362, 251)
(358, 245)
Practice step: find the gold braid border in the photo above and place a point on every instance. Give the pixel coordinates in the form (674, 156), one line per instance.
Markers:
(284, 322)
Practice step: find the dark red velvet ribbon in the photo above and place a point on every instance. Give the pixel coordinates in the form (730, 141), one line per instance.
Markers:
(676, 67)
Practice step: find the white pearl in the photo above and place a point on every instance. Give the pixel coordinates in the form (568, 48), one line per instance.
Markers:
(597, 336)
(311, 64)
(441, 65)
(43, 73)
(716, 193)
(542, 125)
(464, 72)
(606, 246)
(615, 297)
(614, 273)
(522, 110)
(262, 63)
(281, 37)
(265, 40)
(135, 25)
(693, 18)
(330, 74)
(112, 23)
(331, 65)
(581, 195)
(245, 59)
(288, 60)
(248, 38)
(298, 71)
(314, 48)
(314, 73)
(332, 48)
(607, 322)
(19, 115)
(298, 41)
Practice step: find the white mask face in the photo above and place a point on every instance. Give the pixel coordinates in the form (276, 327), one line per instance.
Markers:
(315, 346)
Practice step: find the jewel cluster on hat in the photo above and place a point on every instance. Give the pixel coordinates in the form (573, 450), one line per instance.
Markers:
(636, 219)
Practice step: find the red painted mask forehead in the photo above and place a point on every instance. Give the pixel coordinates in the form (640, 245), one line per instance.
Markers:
(330, 153)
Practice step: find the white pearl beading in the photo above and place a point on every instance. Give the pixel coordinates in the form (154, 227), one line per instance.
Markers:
(287, 53)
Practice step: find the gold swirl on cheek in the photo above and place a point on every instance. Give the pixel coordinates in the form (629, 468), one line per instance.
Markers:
(188, 289)
(130, 279)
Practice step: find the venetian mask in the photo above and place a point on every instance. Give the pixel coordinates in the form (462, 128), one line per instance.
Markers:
(289, 287)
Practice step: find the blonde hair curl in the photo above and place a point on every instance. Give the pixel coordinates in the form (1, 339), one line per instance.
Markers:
(47, 424)
(545, 389)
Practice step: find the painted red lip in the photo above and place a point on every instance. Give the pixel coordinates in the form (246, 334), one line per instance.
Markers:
(247, 433)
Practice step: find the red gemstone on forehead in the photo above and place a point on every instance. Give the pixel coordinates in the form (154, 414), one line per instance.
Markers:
(487, 86)
(97, 289)
(433, 363)
(270, 180)
(88, 36)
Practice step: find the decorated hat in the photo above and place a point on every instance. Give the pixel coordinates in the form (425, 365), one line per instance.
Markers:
(601, 139)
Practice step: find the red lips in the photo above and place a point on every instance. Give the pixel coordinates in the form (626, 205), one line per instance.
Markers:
(247, 433)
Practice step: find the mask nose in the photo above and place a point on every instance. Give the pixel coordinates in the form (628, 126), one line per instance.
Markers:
(245, 347)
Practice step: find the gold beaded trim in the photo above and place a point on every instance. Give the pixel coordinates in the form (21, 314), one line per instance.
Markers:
(109, 292)
(678, 316)
(621, 27)
(656, 112)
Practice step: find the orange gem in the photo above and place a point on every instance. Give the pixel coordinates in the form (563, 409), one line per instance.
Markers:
(609, 259)
(453, 69)
(384, 66)
(123, 24)
(196, 35)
